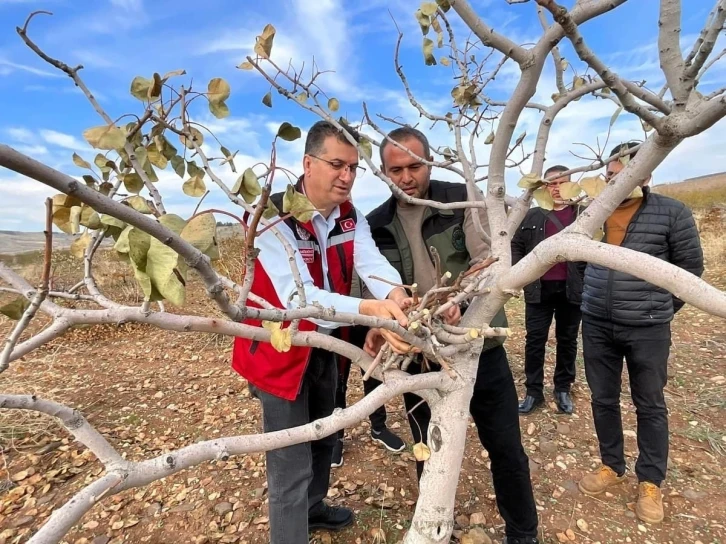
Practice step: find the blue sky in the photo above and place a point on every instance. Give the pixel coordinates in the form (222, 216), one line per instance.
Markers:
(43, 114)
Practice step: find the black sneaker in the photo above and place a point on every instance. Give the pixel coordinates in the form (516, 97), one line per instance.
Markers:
(337, 459)
(332, 518)
(388, 439)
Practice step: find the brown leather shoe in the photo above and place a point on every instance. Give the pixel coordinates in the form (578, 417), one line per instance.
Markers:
(649, 507)
(600, 480)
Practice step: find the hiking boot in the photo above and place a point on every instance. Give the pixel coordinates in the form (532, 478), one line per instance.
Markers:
(388, 439)
(332, 518)
(600, 480)
(649, 507)
(337, 459)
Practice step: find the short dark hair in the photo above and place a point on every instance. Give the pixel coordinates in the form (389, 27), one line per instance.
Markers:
(555, 168)
(402, 134)
(627, 145)
(322, 130)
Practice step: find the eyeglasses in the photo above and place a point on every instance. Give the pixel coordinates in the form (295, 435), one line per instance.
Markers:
(338, 165)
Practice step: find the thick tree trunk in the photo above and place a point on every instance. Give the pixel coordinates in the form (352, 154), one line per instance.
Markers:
(433, 520)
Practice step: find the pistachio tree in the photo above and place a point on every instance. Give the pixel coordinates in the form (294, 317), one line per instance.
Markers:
(118, 200)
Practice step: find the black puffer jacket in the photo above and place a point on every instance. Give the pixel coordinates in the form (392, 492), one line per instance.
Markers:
(661, 227)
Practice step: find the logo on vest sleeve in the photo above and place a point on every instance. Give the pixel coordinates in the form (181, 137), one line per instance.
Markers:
(302, 232)
(458, 240)
(346, 225)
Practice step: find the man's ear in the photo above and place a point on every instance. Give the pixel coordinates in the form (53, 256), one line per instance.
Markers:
(307, 163)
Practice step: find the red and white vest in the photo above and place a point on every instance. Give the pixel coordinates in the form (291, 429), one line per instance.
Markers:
(281, 374)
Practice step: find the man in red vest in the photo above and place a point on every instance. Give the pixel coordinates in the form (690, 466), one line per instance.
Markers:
(298, 386)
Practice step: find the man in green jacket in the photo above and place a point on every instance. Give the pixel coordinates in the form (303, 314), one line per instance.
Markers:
(403, 234)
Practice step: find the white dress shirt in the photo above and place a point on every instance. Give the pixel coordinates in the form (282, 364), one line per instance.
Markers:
(367, 261)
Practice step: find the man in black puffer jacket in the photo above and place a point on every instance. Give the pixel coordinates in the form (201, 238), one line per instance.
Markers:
(626, 317)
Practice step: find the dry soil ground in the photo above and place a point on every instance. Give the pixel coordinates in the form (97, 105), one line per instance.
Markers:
(149, 391)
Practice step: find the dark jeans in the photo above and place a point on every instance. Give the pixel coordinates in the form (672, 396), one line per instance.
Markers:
(494, 408)
(645, 350)
(378, 418)
(538, 318)
(298, 476)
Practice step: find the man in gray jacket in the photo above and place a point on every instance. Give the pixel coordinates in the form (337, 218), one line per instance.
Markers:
(624, 317)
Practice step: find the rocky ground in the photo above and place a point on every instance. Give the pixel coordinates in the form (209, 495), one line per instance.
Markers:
(150, 391)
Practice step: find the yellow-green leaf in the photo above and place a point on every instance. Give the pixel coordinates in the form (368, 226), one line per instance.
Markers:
(75, 219)
(246, 65)
(105, 137)
(569, 190)
(270, 210)
(267, 100)
(333, 104)
(140, 88)
(139, 204)
(177, 163)
(62, 220)
(530, 181)
(489, 139)
(201, 232)
(280, 338)
(78, 161)
(154, 91)
(15, 308)
(78, 247)
(593, 186)
(428, 8)
(219, 109)
(122, 243)
(155, 157)
(445, 5)
(615, 115)
(544, 198)
(599, 234)
(263, 45)
(173, 73)
(421, 452)
(297, 204)
(166, 271)
(624, 160)
(173, 222)
(428, 51)
(111, 221)
(288, 132)
(564, 64)
(133, 182)
(578, 82)
(194, 187)
(366, 148)
(196, 137)
(89, 218)
(247, 186)
(444, 61)
(218, 90)
(302, 97)
(423, 21)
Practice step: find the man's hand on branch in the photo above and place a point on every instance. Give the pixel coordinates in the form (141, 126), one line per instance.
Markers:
(389, 309)
(374, 342)
(452, 316)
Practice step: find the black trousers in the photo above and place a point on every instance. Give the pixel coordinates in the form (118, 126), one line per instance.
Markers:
(494, 408)
(298, 476)
(538, 318)
(645, 350)
(378, 418)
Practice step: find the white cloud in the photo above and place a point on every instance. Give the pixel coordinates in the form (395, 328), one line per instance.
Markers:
(21, 134)
(7, 67)
(62, 140)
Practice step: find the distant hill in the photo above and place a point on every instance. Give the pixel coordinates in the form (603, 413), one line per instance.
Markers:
(699, 192)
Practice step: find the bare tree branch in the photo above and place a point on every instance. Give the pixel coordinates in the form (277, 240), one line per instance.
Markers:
(669, 49)
(487, 35)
